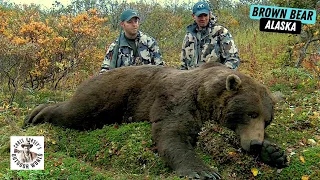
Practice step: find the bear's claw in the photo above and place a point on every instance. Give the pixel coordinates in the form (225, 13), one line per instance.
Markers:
(272, 155)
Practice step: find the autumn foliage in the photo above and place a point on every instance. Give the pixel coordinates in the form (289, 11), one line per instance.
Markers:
(63, 44)
(60, 48)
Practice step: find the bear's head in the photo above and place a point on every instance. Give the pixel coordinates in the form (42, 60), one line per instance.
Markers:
(242, 105)
(248, 111)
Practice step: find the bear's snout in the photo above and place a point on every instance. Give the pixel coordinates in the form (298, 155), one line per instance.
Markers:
(255, 146)
(251, 135)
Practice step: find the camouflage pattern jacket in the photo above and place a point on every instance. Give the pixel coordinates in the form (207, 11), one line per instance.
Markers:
(213, 43)
(148, 53)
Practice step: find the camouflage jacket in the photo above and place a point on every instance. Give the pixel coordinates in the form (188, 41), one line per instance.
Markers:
(213, 43)
(148, 53)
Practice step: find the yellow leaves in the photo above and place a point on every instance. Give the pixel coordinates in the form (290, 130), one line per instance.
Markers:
(52, 141)
(47, 21)
(234, 23)
(254, 171)
(40, 132)
(63, 64)
(35, 72)
(59, 39)
(18, 40)
(43, 41)
(92, 11)
(312, 28)
(308, 26)
(301, 158)
(5, 105)
(229, 20)
(305, 177)
(291, 115)
(44, 63)
(301, 44)
(311, 142)
(316, 115)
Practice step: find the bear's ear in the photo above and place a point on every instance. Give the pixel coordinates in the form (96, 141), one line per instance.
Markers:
(233, 82)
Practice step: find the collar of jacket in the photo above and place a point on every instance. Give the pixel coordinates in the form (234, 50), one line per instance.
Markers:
(192, 28)
(123, 41)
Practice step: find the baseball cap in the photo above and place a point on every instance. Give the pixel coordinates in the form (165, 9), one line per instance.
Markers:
(128, 14)
(201, 8)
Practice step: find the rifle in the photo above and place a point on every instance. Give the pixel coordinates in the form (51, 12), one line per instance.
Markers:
(114, 61)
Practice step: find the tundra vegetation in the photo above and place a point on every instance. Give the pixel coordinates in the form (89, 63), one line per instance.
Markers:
(46, 53)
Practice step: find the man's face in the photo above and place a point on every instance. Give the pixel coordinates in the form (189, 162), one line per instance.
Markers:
(131, 27)
(26, 149)
(202, 20)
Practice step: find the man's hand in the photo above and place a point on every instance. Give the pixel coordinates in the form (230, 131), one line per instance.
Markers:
(103, 70)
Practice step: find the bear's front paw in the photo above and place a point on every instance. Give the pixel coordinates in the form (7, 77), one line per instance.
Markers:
(272, 155)
(34, 117)
(201, 174)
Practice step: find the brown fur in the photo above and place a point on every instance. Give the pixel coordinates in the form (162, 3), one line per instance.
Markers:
(177, 103)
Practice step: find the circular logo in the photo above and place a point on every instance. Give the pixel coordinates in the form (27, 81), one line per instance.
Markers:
(27, 152)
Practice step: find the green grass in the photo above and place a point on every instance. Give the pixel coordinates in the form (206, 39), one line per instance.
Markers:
(127, 152)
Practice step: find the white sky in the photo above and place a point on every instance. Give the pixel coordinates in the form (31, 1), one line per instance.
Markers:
(43, 3)
(48, 3)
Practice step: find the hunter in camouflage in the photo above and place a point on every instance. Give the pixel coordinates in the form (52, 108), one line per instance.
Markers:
(148, 52)
(132, 47)
(206, 41)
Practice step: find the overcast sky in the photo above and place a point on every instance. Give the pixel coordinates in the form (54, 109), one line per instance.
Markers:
(44, 3)
(48, 3)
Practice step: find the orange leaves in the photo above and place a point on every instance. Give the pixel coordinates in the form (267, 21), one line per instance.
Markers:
(85, 23)
(312, 64)
(312, 28)
(36, 28)
(232, 153)
(58, 42)
(307, 27)
(59, 39)
(93, 11)
(44, 63)
(19, 40)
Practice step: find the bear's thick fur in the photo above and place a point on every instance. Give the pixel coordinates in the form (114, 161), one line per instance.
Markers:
(177, 103)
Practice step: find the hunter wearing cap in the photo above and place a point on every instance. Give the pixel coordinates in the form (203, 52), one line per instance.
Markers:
(132, 47)
(206, 41)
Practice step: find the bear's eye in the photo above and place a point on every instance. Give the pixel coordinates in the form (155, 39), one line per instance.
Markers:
(253, 115)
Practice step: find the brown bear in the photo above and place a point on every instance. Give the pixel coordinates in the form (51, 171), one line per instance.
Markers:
(177, 103)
